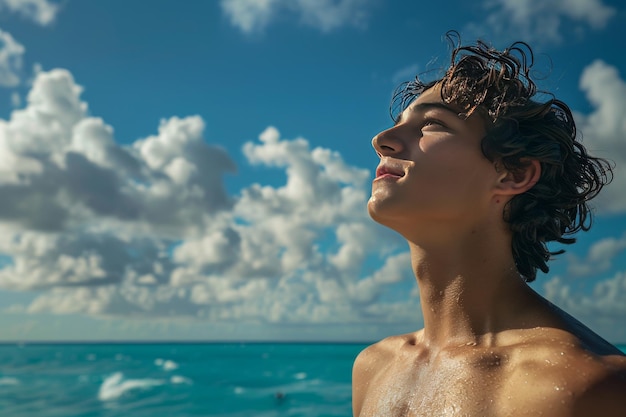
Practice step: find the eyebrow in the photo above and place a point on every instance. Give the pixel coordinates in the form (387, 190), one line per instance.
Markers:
(424, 107)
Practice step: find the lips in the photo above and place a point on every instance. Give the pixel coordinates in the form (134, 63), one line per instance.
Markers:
(390, 171)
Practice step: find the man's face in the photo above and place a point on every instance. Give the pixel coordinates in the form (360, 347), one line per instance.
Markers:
(431, 167)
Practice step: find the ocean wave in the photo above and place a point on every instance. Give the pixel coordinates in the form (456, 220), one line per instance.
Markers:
(7, 380)
(178, 379)
(166, 364)
(315, 386)
(114, 386)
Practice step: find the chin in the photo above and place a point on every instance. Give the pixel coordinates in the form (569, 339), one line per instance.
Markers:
(373, 210)
(381, 212)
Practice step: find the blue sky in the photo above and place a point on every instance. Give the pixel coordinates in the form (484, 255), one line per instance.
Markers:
(199, 170)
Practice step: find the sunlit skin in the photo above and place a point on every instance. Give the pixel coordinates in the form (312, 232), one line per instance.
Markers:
(490, 346)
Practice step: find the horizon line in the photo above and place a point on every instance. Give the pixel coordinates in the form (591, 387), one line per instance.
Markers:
(186, 342)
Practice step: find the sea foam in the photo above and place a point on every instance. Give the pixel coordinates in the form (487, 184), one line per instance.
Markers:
(178, 379)
(114, 386)
(7, 380)
(166, 364)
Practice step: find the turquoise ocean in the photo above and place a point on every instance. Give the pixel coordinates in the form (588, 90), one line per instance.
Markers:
(177, 380)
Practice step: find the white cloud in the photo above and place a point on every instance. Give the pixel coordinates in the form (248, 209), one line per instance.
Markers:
(252, 16)
(599, 258)
(328, 15)
(543, 21)
(11, 53)
(42, 12)
(59, 166)
(600, 309)
(604, 129)
(148, 229)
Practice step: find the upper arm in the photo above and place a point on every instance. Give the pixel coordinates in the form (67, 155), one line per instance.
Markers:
(365, 371)
(360, 379)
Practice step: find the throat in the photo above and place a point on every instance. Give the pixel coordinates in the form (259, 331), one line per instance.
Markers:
(471, 310)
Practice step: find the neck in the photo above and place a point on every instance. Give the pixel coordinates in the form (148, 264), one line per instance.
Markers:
(470, 289)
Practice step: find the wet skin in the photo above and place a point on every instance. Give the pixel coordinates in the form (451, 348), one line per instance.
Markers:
(521, 372)
(490, 346)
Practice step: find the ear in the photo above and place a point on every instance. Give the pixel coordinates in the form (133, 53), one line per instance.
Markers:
(520, 180)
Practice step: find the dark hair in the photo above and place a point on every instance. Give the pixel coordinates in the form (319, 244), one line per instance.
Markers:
(497, 85)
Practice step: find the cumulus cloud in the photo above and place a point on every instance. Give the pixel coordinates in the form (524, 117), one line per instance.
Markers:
(252, 16)
(543, 21)
(42, 12)
(604, 130)
(148, 230)
(74, 200)
(59, 166)
(599, 308)
(603, 133)
(599, 257)
(11, 53)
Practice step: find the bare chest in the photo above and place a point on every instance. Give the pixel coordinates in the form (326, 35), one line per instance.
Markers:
(429, 392)
(459, 390)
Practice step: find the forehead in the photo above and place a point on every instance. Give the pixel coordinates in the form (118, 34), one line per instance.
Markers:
(431, 99)
(431, 95)
(434, 95)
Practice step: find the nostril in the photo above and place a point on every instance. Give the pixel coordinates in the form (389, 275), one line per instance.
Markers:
(383, 150)
(387, 142)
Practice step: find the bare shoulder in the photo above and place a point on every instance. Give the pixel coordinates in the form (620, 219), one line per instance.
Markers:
(599, 366)
(371, 363)
(563, 369)
(384, 348)
(604, 392)
(373, 358)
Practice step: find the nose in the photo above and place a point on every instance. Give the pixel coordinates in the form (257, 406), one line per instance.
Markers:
(387, 143)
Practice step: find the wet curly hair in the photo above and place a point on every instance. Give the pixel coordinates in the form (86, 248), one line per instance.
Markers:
(521, 127)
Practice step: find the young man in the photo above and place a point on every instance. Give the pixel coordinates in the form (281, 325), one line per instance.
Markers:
(478, 175)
